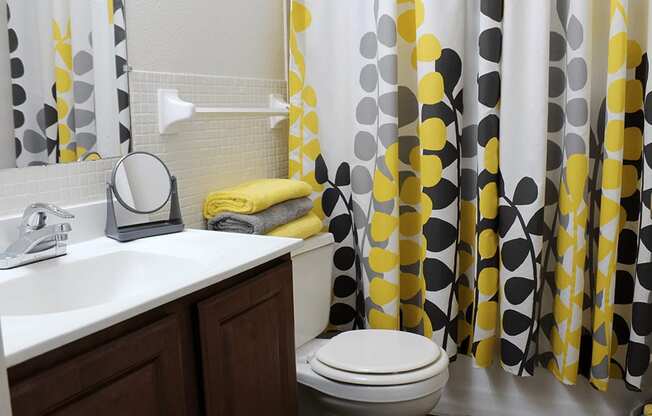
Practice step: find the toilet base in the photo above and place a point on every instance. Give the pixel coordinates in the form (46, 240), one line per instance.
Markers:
(316, 403)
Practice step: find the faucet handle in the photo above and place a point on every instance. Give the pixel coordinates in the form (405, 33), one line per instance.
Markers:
(35, 215)
(53, 209)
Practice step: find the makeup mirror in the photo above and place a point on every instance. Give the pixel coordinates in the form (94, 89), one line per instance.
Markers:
(141, 183)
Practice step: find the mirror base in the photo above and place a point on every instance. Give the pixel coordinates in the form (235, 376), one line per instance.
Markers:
(136, 231)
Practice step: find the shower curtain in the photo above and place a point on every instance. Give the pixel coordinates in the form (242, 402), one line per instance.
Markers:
(485, 167)
(69, 86)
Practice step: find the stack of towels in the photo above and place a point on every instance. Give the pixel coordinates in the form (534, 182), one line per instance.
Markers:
(278, 207)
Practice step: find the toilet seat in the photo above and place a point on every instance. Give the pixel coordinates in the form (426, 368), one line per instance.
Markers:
(361, 392)
(379, 358)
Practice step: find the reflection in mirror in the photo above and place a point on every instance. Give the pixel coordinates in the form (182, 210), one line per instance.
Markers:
(70, 97)
(141, 183)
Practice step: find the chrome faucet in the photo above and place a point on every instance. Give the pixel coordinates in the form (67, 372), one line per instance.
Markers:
(36, 240)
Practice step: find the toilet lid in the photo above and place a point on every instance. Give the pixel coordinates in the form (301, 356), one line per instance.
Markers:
(378, 352)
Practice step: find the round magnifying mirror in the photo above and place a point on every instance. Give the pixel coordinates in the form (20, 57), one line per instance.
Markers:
(141, 182)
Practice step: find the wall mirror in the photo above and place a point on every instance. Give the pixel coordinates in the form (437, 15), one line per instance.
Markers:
(64, 65)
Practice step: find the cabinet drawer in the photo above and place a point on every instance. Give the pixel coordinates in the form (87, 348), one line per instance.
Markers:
(139, 374)
(247, 344)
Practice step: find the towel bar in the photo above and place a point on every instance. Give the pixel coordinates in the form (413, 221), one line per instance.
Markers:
(172, 109)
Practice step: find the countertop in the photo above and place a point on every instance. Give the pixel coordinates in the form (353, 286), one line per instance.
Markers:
(211, 257)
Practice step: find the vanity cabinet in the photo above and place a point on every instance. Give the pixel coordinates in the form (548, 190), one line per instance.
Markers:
(248, 360)
(225, 350)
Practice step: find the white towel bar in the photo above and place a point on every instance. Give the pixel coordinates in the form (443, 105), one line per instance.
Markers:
(172, 109)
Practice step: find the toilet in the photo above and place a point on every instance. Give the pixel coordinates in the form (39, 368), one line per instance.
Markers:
(359, 373)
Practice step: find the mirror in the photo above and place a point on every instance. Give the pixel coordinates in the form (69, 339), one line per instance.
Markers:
(66, 61)
(141, 183)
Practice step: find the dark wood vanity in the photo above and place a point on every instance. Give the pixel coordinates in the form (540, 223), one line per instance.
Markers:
(225, 350)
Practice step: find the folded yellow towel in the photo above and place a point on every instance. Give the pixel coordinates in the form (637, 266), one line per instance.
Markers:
(254, 196)
(304, 227)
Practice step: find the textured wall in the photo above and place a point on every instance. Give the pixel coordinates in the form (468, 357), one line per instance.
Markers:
(212, 152)
(232, 38)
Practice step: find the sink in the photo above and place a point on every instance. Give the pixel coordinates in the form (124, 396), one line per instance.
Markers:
(59, 286)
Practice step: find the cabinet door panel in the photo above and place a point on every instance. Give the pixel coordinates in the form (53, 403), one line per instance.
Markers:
(132, 394)
(247, 340)
(137, 374)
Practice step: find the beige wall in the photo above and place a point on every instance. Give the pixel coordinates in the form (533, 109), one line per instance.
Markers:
(242, 38)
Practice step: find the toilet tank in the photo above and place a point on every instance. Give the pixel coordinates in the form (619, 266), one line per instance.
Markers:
(312, 281)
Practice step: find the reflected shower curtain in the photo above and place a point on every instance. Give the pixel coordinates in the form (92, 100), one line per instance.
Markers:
(67, 66)
(485, 169)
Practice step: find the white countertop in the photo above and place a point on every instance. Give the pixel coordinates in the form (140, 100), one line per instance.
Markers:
(211, 258)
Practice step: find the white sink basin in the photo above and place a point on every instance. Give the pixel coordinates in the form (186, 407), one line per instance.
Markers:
(53, 287)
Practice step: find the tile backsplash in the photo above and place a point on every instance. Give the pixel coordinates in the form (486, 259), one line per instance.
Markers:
(210, 152)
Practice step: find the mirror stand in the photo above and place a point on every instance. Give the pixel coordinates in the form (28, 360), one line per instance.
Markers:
(150, 229)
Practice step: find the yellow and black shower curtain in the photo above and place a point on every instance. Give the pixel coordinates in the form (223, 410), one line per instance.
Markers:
(486, 169)
(69, 85)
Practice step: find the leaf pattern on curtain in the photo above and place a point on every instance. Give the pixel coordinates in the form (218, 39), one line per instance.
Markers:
(439, 92)
(565, 247)
(611, 220)
(118, 18)
(35, 113)
(63, 83)
(640, 337)
(638, 284)
(67, 65)
(331, 195)
(375, 176)
(484, 192)
(484, 305)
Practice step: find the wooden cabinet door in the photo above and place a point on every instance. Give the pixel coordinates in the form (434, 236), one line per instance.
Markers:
(247, 343)
(139, 374)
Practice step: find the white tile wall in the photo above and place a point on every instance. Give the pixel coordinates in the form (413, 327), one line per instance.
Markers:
(214, 151)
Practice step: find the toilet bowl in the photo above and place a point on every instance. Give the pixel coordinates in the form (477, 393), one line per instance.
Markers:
(363, 372)
(410, 385)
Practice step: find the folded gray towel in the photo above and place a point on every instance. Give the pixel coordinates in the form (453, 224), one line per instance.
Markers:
(261, 222)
